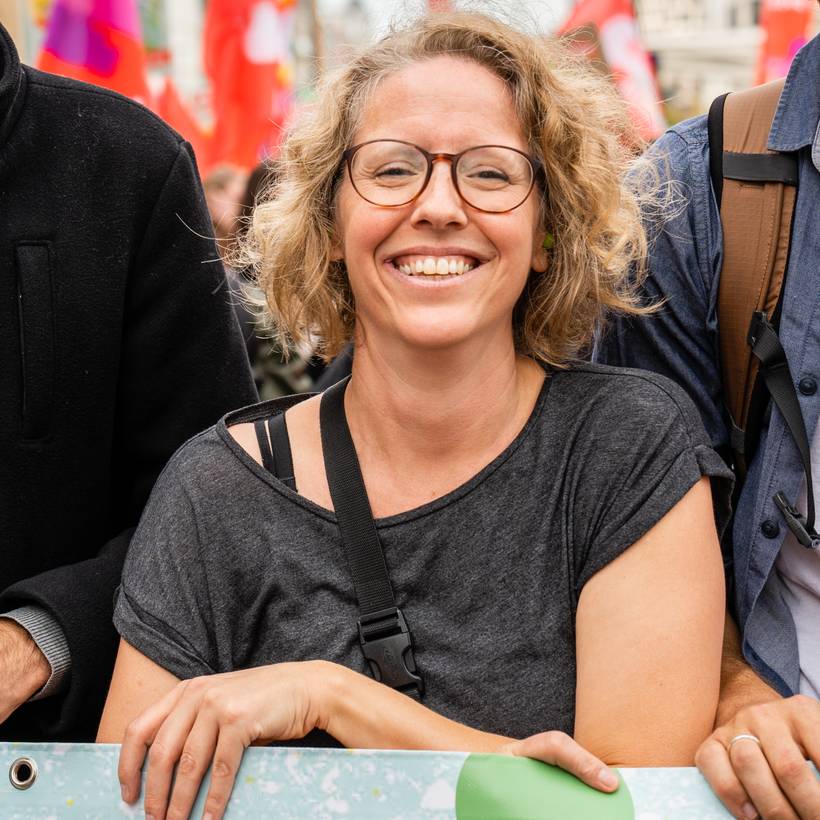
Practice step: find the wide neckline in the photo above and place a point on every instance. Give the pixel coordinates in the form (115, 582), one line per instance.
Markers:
(268, 408)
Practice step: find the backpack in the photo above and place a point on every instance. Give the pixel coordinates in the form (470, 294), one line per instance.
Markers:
(756, 190)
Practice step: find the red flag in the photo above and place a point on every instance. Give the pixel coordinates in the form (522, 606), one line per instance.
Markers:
(786, 28)
(614, 30)
(170, 107)
(247, 56)
(97, 41)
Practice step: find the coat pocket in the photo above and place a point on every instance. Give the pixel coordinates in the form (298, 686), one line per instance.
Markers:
(35, 305)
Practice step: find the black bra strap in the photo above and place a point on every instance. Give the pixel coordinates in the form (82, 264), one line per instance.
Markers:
(384, 636)
(280, 445)
(274, 446)
(264, 446)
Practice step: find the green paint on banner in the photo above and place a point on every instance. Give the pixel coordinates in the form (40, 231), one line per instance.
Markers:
(493, 787)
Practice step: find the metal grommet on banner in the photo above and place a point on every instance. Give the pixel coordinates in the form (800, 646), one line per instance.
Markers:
(23, 773)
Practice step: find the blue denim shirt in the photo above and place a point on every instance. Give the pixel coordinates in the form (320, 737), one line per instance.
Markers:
(681, 342)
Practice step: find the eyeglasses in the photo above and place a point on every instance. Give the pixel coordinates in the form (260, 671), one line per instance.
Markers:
(490, 178)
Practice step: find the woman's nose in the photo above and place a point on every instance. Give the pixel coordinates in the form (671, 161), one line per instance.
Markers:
(439, 203)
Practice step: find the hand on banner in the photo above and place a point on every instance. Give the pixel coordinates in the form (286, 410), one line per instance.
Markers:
(210, 721)
(756, 762)
(559, 749)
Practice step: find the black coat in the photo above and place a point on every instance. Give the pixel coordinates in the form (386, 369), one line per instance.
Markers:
(117, 343)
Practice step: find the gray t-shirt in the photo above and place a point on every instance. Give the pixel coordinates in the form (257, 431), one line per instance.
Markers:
(230, 569)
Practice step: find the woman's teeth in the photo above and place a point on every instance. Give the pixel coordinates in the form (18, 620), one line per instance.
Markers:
(436, 266)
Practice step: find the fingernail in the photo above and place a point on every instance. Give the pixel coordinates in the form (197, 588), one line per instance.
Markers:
(207, 816)
(748, 811)
(607, 778)
(123, 793)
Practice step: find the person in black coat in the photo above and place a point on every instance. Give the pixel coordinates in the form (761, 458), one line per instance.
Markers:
(118, 343)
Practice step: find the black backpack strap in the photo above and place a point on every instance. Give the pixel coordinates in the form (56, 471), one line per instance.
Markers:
(280, 445)
(714, 124)
(384, 636)
(264, 446)
(774, 368)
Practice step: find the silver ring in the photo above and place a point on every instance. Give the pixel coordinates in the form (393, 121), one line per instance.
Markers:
(736, 738)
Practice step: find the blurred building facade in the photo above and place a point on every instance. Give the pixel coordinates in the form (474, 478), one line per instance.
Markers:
(702, 49)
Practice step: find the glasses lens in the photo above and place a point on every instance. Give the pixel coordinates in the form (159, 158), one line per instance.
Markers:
(494, 178)
(387, 172)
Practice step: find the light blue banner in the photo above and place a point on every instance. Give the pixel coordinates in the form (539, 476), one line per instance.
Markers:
(80, 781)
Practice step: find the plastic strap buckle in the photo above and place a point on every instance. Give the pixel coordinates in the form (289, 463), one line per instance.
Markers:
(765, 343)
(796, 522)
(388, 647)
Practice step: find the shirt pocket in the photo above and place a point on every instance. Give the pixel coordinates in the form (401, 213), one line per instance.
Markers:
(35, 306)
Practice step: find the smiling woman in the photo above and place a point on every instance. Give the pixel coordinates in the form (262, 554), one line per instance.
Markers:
(547, 524)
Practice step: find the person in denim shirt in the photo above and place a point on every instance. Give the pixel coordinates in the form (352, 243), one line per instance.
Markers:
(776, 583)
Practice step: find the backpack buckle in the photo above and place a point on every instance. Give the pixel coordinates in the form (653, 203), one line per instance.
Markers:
(797, 523)
(756, 324)
(388, 647)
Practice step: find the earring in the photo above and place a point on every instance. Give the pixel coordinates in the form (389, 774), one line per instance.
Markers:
(549, 242)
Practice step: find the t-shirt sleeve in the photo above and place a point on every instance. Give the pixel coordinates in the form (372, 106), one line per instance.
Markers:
(162, 605)
(648, 448)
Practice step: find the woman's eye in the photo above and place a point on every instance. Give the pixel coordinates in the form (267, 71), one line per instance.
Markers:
(393, 171)
(489, 174)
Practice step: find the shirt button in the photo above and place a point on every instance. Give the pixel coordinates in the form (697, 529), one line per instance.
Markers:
(807, 386)
(770, 528)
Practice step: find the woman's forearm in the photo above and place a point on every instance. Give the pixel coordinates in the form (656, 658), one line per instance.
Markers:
(361, 713)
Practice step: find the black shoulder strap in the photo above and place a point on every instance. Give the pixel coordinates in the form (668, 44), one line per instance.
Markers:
(774, 368)
(383, 633)
(714, 124)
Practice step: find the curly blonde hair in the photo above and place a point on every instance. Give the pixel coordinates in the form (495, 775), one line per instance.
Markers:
(574, 122)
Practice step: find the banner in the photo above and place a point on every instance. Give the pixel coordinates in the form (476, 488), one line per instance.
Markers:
(97, 41)
(786, 27)
(610, 28)
(80, 780)
(247, 58)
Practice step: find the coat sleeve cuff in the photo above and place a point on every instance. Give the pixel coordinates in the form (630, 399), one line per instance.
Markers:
(49, 637)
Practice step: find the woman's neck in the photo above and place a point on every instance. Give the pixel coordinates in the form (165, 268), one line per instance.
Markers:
(431, 406)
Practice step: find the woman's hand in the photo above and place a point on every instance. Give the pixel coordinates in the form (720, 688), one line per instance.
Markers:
(559, 749)
(213, 719)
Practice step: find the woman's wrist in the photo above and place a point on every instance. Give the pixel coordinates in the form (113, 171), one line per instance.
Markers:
(327, 684)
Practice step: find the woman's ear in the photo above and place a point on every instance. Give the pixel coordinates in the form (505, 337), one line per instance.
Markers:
(542, 245)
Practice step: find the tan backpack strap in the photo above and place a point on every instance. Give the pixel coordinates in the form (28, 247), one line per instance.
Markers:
(759, 190)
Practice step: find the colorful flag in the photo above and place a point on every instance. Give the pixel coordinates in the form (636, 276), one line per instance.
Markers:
(97, 41)
(247, 58)
(170, 107)
(613, 28)
(786, 26)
